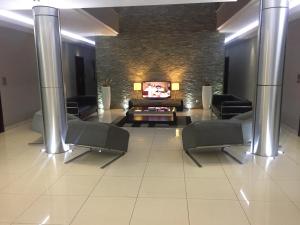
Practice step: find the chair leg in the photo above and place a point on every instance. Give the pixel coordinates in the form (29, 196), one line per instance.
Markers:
(239, 156)
(77, 156)
(112, 160)
(193, 158)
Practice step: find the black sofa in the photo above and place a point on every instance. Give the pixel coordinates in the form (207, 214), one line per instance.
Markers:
(82, 106)
(228, 106)
(177, 103)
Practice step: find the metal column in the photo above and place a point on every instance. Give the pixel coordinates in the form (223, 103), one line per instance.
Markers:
(272, 38)
(48, 50)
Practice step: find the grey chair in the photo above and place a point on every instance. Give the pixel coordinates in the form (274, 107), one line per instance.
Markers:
(97, 137)
(91, 136)
(221, 134)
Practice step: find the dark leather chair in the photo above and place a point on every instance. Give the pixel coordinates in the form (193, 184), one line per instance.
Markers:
(82, 106)
(228, 106)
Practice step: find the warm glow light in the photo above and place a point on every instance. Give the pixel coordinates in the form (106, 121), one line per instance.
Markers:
(252, 26)
(244, 30)
(294, 3)
(175, 86)
(28, 21)
(137, 86)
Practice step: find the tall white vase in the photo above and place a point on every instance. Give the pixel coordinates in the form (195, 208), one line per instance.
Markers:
(206, 97)
(106, 97)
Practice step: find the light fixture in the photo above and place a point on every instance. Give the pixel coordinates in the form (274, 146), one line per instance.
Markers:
(28, 21)
(137, 86)
(252, 26)
(244, 30)
(175, 87)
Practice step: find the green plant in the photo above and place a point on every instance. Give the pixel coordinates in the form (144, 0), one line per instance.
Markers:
(106, 82)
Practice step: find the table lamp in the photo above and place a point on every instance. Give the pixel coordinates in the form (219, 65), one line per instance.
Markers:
(175, 87)
(137, 87)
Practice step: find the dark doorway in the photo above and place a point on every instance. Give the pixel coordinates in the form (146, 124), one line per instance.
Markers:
(226, 76)
(80, 77)
(1, 117)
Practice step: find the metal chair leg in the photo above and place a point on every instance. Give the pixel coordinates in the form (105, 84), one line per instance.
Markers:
(113, 160)
(77, 156)
(193, 158)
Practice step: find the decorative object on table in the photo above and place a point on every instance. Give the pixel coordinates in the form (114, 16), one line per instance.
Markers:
(175, 87)
(137, 87)
(206, 95)
(106, 93)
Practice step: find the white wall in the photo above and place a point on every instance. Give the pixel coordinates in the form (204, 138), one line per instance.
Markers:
(243, 66)
(20, 96)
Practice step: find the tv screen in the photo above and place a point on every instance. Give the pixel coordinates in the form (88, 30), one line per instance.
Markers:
(156, 89)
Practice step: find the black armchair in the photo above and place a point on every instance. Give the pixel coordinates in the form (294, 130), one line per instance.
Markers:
(228, 106)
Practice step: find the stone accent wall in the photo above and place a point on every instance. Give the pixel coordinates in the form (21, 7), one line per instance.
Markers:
(177, 43)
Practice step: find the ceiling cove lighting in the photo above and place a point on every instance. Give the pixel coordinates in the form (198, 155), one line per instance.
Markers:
(252, 26)
(28, 21)
(244, 30)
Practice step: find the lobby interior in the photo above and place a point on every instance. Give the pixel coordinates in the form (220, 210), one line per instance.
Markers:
(110, 53)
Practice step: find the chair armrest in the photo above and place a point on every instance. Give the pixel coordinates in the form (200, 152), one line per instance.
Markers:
(236, 109)
(236, 103)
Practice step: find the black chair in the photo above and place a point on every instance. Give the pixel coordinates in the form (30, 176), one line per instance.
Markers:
(228, 106)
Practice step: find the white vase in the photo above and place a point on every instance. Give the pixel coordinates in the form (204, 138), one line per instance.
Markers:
(206, 97)
(106, 97)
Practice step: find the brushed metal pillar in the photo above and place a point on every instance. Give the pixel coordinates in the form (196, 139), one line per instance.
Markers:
(48, 50)
(271, 47)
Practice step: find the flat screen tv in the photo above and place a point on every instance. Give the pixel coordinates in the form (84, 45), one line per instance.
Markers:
(156, 89)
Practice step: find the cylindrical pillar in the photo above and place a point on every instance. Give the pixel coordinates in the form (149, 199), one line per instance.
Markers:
(48, 50)
(272, 39)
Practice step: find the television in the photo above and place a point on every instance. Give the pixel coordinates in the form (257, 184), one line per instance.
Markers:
(156, 89)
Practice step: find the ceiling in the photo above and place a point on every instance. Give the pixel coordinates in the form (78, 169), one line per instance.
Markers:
(27, 4)
(249, 14)
(81, 22)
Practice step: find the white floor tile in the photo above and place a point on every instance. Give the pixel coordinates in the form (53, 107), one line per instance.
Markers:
(105, 211)
(118, 187)
(163, 187)
(274, 213)
(258, 190)
(13, 205)
(209, 189)
(150, 211)
(164, 170)
(52, 210)
(216, 212)
(73, 185)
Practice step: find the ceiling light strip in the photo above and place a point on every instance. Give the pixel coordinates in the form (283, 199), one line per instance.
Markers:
(252, 26)
(28, 21)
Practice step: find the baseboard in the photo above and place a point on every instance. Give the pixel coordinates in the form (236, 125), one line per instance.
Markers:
(12, 126)
(290, 129)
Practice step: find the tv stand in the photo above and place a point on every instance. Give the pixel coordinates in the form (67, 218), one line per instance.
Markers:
(177, 103)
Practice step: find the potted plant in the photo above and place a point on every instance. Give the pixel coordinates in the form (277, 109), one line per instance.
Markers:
(206, 95)
(106, 93)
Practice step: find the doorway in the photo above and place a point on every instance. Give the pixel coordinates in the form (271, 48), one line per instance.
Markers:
(80, 76)
(226, 75)
(1, 117)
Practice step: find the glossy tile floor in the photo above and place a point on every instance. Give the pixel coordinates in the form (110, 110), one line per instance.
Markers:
(154, 184)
